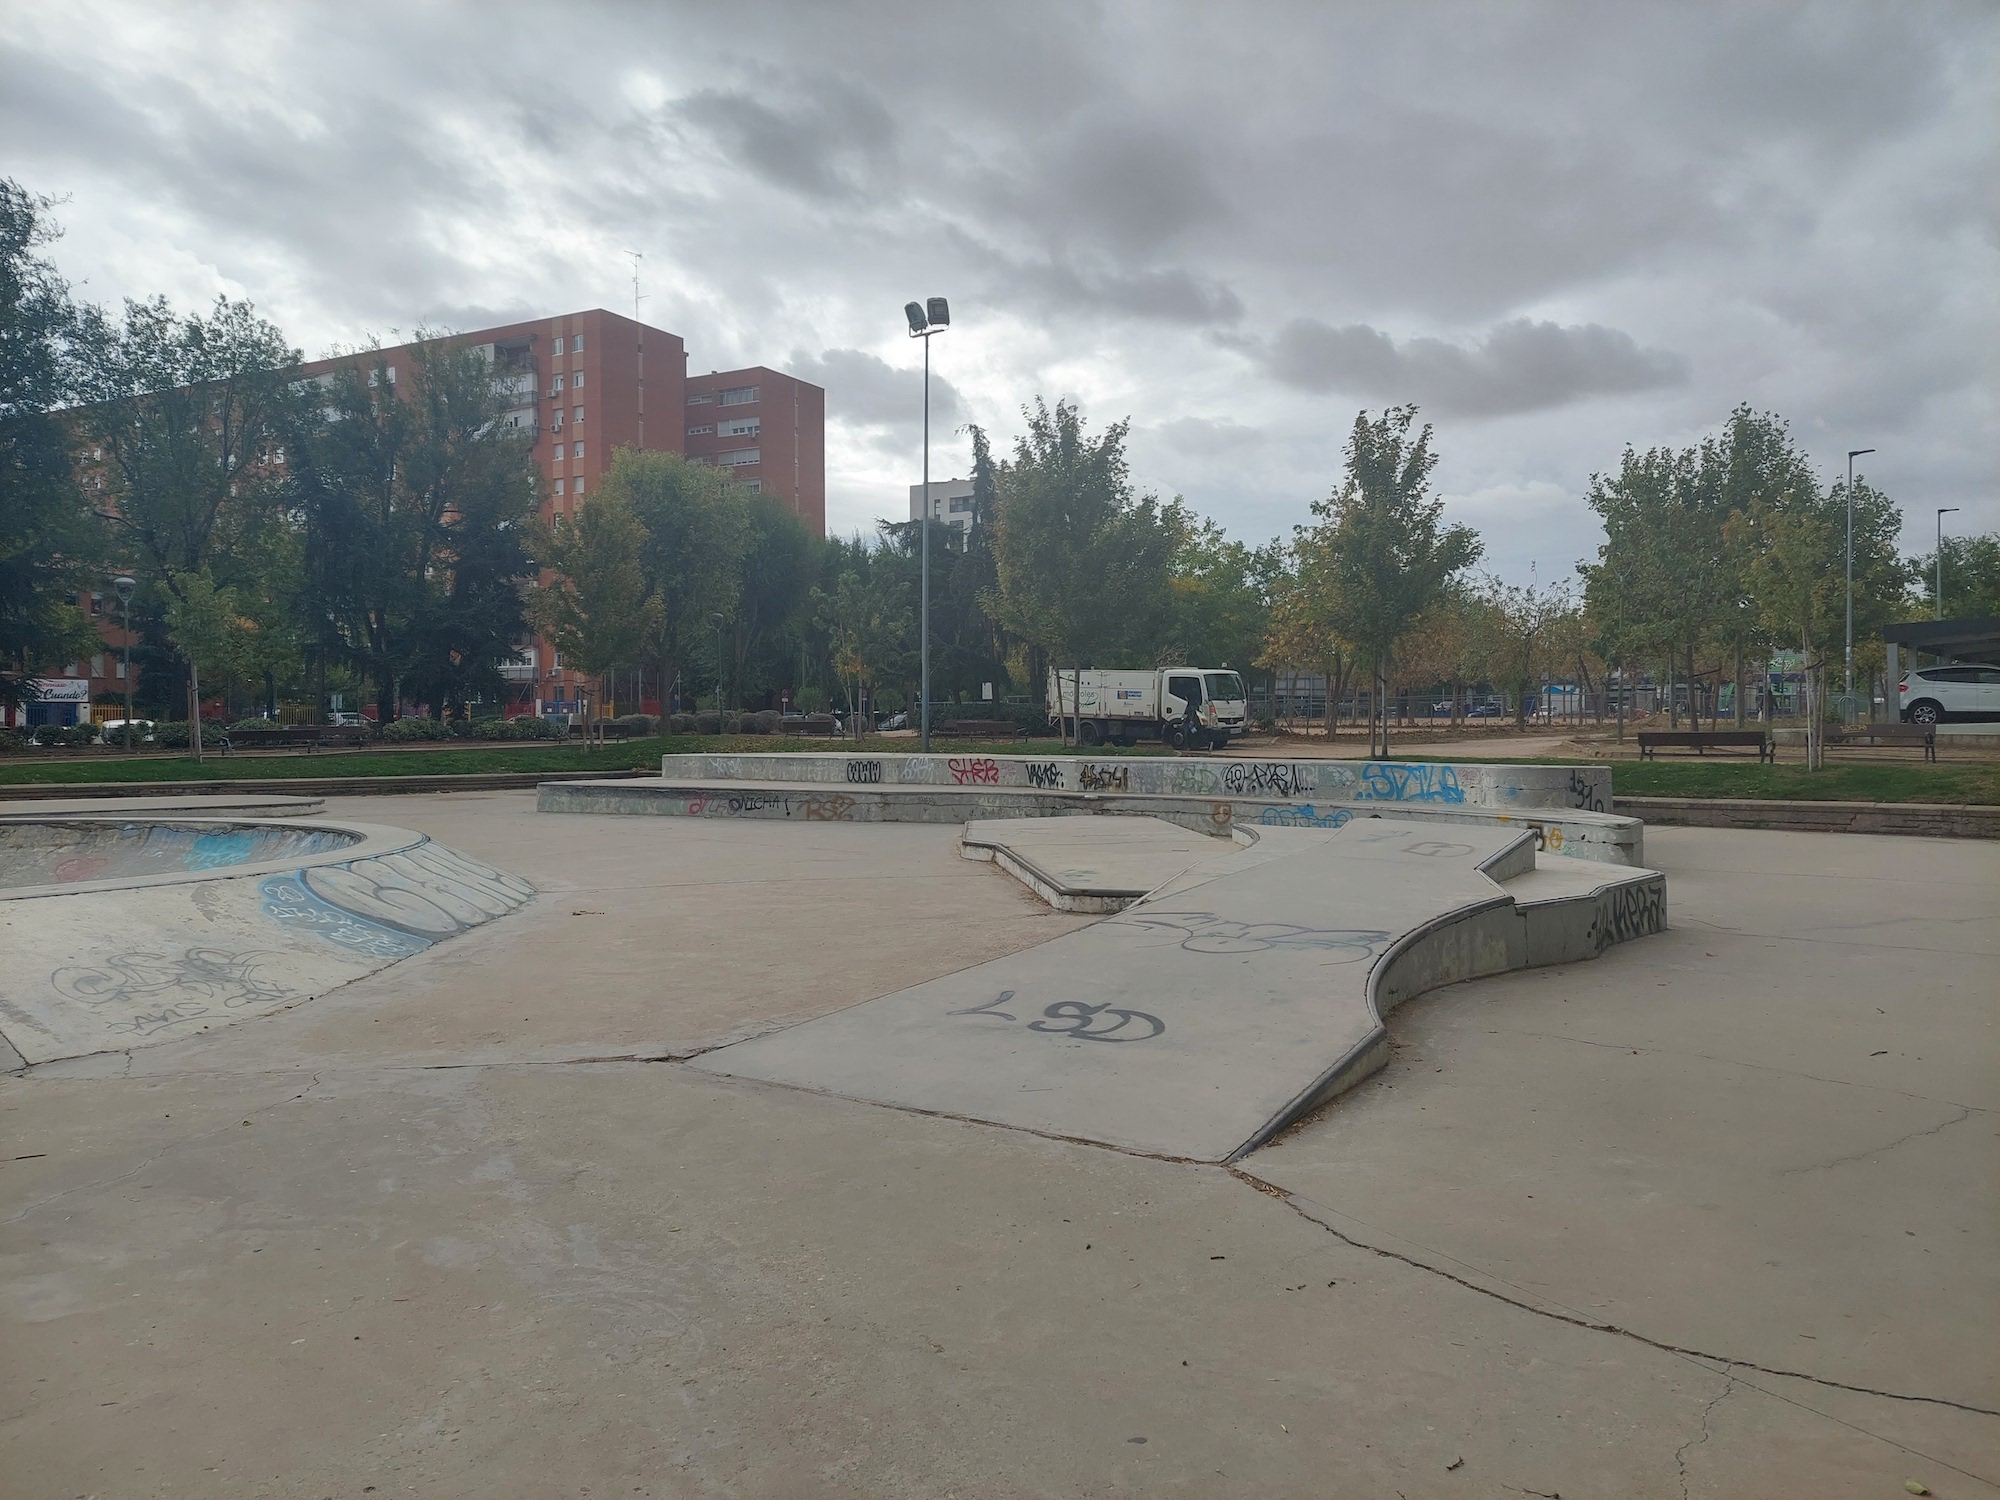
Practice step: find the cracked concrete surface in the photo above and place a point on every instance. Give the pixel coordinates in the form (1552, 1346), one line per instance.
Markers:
(1710, 1217)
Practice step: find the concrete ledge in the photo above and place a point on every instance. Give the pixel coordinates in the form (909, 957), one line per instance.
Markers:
(1605, 837)
(1921, 819)
(1505, 787)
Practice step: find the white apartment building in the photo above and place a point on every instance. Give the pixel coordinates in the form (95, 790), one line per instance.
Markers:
(951, 502)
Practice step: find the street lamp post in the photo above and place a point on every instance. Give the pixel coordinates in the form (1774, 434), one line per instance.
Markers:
(926, 318)
(124, 585)
(1847, 678)
(1937, 598)
(718, 672)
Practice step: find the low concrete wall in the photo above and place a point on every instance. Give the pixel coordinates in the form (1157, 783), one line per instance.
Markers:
(1921, 819)
(1585, 788)
(1604, 837)
(309, 786)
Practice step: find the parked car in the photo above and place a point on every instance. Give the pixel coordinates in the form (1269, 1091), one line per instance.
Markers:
(1484, 711)
(112, 731)
(343, 718)
(1963, 690)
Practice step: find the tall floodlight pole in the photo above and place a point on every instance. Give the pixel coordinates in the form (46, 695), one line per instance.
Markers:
(124, 585)
(926, 318)
(1937, 598)
(1847, 678)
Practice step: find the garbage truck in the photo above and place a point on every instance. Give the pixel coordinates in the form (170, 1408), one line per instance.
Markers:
(1191, 708)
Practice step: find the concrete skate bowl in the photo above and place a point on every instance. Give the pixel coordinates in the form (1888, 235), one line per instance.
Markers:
(116, 852)
(123, 932)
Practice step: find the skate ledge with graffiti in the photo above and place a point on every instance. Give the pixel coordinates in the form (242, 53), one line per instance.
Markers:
(1440, 784)
(150, 934)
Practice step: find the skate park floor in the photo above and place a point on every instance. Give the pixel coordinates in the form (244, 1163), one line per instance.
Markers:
(1711, 1215)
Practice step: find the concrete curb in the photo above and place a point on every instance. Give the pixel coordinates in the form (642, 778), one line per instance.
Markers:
(311, 786)
(1919, 819)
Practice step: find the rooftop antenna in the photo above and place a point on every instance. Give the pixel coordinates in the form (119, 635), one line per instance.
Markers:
(636, 298)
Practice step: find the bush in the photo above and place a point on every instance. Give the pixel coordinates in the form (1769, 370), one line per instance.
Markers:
(763, 721)
(405, 731)
(64, 736)
(1031, 717)
(706, 722)
(681, 723)
(526, 727)
(257, 722)
(173, 735)
(638, 723)
(11, 740)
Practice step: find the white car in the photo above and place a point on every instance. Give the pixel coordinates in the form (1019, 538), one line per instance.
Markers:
(112, 731)
(1960, 691)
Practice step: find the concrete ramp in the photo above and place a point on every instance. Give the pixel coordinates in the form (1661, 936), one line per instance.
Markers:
(1244, 990)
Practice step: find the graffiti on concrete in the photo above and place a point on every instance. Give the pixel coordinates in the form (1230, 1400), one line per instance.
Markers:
(1436, 849)
(1630, 911)
(1304, 815)
(1044, 775)
(1266, 778)
(427, 892)
(1205, 932)
(864, 771)
(160, 990)
(1072, 1018)
(1392, 781)
(287, 902)
(827, 809)
(974, 770)
(1220, 816)
(1583, 793)
(751, 802)
(696, 806)
(1546, 837)
(1092, 777)
(1193, 780)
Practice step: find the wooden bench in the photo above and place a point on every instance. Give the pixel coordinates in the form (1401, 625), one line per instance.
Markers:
(346, 734)
(810, 727)
(1701, 741)
(1843, 736)
(277, 737)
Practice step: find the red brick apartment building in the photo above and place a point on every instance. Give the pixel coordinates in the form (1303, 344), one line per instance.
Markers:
(589, 383)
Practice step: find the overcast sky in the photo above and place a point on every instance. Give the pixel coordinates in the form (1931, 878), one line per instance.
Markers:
(1560, 229)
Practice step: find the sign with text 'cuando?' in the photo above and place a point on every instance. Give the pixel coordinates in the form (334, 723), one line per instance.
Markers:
(62, 689)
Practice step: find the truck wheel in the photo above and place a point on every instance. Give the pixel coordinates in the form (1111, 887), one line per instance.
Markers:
(1086, 733)
(1176, 736)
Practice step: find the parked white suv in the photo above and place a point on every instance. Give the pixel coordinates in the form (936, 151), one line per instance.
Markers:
(1961, 691)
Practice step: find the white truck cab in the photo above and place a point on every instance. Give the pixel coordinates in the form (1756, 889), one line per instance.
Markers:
(1191, 708)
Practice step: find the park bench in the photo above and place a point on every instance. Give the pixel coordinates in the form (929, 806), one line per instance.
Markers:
(819, 726)
(611, 729)
(1844, 736)
(1701, 741)
(277, 737)
(346, 734)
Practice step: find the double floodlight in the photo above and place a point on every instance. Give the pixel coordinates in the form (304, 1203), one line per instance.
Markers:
(926, 317)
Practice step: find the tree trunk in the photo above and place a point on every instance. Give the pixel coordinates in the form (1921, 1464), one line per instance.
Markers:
(1739, 684)
(1380, 707)
(1673, 698)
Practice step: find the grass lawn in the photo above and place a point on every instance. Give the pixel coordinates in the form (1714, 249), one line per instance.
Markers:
(1837, 783)
(618, 756)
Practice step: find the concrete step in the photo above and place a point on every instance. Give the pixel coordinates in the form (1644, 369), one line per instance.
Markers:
(1244, 989)
(1606, 837)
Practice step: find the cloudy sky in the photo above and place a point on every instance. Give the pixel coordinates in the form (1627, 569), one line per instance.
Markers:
(1559, 228)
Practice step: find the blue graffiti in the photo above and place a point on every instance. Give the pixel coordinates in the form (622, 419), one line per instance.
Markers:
(1305, 815)
(213, 851)
(1396, 781)
(288, 903)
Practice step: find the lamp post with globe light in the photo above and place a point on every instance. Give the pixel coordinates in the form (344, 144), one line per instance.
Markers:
(926, 318)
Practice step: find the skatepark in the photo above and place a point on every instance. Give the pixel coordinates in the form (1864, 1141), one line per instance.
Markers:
(869, 1137)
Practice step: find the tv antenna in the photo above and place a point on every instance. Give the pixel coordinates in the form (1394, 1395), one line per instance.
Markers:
(636, 298)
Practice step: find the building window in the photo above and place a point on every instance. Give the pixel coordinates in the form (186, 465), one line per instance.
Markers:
(754, 486)
(736, 458)
(559, 344)
(961, 504)
(701, 399)
(97, 665)
(739, 395)
(559, 486)
(742, 427)
(121, 669)
(555, 419)
(392, 374)
(576, 347)
(559, 382)
(576, 380)
(579, 484)
(576, 449)
(577, 416)
(702, 431)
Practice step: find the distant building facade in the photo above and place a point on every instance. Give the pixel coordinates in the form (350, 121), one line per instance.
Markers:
(951, 502)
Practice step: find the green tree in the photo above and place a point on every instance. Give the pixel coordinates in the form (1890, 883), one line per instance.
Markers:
(1522, 628)
(1080, 560)
(47, 545)
(698, 532)
(1382, 541)
(1218, 593)
(1971, 577)
(205, 624)
(596, 608)
(780, 561)
(868, 623)
(415, 501)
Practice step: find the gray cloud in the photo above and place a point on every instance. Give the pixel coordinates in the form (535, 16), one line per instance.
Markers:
(1519, 366)
(829, 139)
(868, 391)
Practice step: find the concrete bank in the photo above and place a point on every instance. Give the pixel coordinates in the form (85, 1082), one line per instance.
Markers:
(1922, 819)
(1605, 837)
(310, 786)
(1587, 788)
